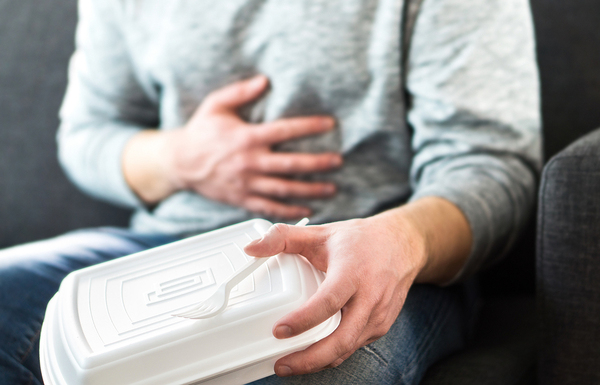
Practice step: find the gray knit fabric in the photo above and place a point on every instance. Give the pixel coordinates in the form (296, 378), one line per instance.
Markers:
(473, 109)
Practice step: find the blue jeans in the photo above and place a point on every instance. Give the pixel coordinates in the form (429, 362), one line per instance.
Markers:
(432, 324)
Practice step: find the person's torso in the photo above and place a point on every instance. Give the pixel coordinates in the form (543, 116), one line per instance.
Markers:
(336, 57)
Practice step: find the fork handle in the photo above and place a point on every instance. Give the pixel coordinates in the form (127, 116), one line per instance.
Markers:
(245, 271)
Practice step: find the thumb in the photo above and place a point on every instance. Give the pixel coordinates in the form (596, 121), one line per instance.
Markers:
(237, 94)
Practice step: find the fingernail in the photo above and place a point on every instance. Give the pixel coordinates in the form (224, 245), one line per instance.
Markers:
(258, 81)
(283, 371)
(283, 331)
(330, 189)
(336, 161)
(254, 242)
(328, 123)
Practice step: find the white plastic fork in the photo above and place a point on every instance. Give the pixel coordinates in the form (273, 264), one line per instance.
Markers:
(217, 302)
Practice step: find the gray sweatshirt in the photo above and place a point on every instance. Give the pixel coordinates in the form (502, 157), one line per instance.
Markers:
(460, 122)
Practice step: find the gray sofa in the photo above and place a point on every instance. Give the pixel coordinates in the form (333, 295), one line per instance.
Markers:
(37, 201)
(568, 233)
(568, 265)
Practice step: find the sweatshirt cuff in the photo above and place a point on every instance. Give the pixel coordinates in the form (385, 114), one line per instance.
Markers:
(472, 201)
(96, 165)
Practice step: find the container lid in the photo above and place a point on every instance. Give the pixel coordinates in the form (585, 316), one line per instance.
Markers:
(112, 323)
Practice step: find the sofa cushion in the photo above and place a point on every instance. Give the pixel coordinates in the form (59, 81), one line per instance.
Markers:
(568, 265)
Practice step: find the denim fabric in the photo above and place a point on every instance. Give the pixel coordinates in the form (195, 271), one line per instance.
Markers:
(568, 265)
(29, 277)
(433, 323)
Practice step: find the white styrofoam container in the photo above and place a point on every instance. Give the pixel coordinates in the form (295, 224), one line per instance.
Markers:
(112, 323)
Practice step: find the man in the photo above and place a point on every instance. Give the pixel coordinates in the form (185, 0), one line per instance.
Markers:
(291, 109)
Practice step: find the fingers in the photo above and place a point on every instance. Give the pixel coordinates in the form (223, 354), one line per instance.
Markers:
(333, 294)
(295, 163)
(288, 129)
(268, 207)
(336, 289)
(282, 188)
(237, 94)
(361, 325)
(282, 238)
(332, 350)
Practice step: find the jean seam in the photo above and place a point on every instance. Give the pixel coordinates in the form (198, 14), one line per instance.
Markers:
(376, 355)
(31, 344)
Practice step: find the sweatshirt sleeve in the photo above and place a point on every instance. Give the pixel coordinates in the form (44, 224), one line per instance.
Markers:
(475, 112)
(104, 105)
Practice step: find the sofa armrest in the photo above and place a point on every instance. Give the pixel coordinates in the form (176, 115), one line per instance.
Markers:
(568, 265)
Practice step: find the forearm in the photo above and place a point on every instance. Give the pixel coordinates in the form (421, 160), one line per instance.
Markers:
(441, 233)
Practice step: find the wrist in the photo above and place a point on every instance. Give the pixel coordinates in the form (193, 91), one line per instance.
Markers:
(410, 241)
(439, 236)
(146, 165)
(170, 153)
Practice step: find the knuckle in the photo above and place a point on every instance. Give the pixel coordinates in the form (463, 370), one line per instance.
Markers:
(337, 362)
(379, 324)
(240, 91)
(345, 345)
(379, 320)
(284, 130)
(260, 163)
(249, 203)
(266, 208)
(309, 367)
(244, 161)
(379, 332)
(331, 303)
(210, 102)
(216, 99)
(280, 190)
(322, 163)
(289, 163)
(280, 229)
(246, 140)
(239, 165)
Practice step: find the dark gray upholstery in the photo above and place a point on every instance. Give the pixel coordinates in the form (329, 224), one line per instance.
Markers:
(36, 200)
(568, 40)
(568, 261)
(569, 265)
